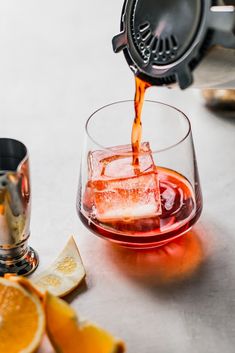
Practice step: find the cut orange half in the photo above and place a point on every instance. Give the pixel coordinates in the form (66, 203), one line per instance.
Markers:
(64, 275)
(25, 283)
(68, 336)
(22, 319)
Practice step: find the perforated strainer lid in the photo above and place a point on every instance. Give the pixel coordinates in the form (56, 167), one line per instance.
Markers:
(158, 35)
(163, 40)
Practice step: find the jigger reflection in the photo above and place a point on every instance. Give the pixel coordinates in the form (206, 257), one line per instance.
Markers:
(15, 206)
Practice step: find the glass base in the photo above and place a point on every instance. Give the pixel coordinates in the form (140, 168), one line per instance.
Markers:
(22, 266)
(144, 242)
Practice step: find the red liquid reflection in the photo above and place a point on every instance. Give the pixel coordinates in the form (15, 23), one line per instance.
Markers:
(173, 262)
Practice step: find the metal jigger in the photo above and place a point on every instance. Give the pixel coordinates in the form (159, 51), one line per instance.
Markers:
(15, 206)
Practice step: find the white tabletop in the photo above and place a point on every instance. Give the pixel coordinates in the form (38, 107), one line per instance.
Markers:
(57, 67)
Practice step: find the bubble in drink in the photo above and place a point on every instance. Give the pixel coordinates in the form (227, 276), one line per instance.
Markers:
(117, 191)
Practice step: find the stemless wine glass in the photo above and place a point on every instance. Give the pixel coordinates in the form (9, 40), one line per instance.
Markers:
(148, 205)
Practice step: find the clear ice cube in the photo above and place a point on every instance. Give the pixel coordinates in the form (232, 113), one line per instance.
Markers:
(120, 191)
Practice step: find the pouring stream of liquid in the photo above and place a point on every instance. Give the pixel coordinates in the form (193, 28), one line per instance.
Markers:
(136, 135)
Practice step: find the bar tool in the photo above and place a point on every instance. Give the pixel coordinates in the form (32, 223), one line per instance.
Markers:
(181, 41)
(15, 207)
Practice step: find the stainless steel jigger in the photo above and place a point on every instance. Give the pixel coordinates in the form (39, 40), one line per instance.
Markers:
(15, 207)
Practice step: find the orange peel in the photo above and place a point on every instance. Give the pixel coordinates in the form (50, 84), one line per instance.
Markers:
(25, 283)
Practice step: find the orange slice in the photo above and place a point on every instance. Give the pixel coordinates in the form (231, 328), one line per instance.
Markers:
(25, 283)
(22, 319)
(68, 336)
(65, 274)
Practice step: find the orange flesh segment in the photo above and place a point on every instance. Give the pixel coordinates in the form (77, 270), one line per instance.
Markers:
(67, 336)
(21, 319)
(103, 342)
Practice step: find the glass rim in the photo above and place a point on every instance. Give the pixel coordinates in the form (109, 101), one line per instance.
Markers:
(189, 129)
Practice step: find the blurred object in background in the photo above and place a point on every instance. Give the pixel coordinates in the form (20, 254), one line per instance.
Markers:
(220, 99)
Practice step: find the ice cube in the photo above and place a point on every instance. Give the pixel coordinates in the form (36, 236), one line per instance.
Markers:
(120, 192)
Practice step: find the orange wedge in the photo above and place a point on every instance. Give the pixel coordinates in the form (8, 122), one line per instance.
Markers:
(68, 336)
(22, 318)
(64, 275)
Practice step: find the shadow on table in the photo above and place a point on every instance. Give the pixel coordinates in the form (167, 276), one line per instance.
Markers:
(162, 267)
(82, 288)
(225, 115)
